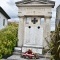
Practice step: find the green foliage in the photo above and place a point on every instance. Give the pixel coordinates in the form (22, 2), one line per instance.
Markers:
(55, 44)
(8, 39)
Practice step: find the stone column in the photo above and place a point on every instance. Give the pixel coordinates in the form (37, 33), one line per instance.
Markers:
(21, 31)
(47, 31)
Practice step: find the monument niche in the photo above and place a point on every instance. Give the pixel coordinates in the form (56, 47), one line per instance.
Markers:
(34, 24)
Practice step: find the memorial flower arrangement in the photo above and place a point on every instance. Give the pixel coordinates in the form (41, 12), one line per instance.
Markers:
(29, 54)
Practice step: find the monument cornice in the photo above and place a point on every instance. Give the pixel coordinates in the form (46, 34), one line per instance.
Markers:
(48, 16)
(35, 3)
(35, 16)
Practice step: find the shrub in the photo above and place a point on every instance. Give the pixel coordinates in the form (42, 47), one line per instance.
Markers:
(8, 39)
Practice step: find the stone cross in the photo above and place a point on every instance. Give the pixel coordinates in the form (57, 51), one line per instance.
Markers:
(34, 21)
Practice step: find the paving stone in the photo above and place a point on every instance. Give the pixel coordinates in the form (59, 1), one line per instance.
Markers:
(17, 57)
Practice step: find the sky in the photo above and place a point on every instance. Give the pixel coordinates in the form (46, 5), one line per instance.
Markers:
(11, 9)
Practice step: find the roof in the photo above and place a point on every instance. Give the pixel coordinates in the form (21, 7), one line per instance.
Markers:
(4, 13)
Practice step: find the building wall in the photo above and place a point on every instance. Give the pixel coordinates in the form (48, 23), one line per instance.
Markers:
(2, 17)
(57, 15)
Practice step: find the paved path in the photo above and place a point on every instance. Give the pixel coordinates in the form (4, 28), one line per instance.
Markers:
(17, 57)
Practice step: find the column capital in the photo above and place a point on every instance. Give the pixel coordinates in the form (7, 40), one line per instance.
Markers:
(48, 17)
(20, 16)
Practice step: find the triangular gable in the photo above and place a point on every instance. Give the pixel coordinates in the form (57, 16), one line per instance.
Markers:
(36, 2)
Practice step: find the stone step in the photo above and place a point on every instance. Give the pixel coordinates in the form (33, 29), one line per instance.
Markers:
(41, 56)
(44, 56)
(17, 51)
(18, 57)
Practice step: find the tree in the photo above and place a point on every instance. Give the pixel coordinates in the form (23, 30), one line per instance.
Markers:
(54, 45)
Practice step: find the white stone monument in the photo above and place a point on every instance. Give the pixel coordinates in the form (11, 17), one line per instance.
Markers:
(34, 24)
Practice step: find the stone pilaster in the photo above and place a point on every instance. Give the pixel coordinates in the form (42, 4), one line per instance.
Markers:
(47, 31)
(21, 31)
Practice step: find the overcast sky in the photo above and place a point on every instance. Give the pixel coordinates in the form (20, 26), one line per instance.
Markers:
(11, 9)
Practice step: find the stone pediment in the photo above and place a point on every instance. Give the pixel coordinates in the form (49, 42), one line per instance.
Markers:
(35, 2)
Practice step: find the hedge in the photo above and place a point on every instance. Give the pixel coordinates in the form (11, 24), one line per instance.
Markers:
(8, 39)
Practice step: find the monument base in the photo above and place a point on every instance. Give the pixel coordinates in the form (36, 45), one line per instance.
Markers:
(34, 49)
